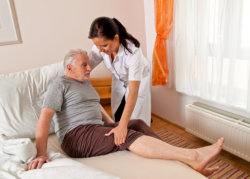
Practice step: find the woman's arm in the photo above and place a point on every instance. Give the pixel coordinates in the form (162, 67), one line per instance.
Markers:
(95, 57)
(130, 102)
(120, 132)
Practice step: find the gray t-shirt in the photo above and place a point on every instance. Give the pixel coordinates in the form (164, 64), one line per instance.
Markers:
(76, 103)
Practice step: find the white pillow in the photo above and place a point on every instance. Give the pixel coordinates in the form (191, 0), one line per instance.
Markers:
(21, 98)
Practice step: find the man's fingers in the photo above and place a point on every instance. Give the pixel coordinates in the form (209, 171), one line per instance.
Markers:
(41, 162)
(34, 165)
(28, 167)
(37, 163)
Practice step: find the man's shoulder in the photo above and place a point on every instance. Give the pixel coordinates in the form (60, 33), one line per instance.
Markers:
(58, 81)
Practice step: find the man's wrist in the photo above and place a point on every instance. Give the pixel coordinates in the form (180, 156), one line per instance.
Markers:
(41, 155)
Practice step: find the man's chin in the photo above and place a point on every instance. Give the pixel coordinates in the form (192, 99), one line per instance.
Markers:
(86, 77)
(83, 79)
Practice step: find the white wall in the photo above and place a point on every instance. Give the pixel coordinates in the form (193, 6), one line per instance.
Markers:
(50, 28)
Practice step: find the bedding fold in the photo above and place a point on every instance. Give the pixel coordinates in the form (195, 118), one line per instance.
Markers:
(16, 153)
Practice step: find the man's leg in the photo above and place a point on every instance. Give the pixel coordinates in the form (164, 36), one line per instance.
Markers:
(196, 158)
(90, 140)
(140, 126)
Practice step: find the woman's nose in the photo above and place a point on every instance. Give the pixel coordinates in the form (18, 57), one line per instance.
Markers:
(100, 49)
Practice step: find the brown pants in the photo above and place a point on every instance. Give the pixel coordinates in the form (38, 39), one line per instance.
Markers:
(90, 140)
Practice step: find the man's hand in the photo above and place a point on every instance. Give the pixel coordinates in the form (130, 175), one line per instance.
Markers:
(120, 134)
(38, 162)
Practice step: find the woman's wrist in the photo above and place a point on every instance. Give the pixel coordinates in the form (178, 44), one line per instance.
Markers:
(123, 123)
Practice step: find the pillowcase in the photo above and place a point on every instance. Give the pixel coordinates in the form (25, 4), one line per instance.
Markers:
(21, 98)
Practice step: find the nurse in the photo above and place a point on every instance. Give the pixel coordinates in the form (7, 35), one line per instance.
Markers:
(131, 72)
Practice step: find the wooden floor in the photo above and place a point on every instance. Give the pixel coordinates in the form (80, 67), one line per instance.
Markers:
(159, 124)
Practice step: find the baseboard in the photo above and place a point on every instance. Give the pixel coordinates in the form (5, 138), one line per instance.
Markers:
(163, 119)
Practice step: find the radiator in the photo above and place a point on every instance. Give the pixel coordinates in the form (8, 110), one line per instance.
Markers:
(210, 124)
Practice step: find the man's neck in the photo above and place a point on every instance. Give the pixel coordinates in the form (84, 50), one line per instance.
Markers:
(73, 78)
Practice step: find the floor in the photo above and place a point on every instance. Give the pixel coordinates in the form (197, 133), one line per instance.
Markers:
(159, 124)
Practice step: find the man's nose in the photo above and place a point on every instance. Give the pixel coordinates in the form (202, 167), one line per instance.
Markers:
(89, 68)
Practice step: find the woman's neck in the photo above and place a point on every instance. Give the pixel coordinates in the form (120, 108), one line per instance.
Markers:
(114, 53)
(112, 56)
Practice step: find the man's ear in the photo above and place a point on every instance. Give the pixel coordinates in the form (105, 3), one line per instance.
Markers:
(68, 67)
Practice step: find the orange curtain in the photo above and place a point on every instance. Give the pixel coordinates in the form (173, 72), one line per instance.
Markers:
(163, 23)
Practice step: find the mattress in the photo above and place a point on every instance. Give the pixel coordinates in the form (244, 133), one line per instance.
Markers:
(127, 165)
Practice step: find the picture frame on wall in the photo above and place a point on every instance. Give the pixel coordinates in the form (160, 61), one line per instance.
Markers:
(9, 29)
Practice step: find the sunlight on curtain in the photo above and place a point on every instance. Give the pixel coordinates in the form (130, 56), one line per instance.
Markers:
(163, 23)
(212, 50)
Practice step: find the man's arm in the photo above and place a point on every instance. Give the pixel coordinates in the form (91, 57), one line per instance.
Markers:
(105, 117)
(42, 132)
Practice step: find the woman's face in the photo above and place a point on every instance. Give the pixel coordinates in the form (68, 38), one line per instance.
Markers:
(107, 46)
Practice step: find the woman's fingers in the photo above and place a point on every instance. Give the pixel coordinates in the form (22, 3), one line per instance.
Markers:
(120, 140)
(119, 136)
(109, 133)
(123, 139)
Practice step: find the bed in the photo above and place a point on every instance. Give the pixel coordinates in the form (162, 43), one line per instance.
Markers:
(21, 97)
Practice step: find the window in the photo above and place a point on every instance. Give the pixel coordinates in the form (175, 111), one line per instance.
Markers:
(212, 50)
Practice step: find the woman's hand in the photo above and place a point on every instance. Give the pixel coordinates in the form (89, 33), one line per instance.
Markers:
(120, 134)
(37, 162)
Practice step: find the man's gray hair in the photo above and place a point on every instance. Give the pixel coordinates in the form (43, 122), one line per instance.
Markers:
(70, 57)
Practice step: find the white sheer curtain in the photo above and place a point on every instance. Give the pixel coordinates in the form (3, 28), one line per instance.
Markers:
(212, 50)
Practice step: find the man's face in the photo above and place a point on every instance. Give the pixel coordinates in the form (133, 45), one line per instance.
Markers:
(81, 69)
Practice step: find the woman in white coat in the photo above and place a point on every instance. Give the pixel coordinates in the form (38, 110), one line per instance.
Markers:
(131, 72)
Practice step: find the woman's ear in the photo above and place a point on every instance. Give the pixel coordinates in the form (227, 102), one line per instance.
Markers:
(117, 38)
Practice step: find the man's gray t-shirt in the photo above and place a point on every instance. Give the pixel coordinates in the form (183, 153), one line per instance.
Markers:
(76, 103)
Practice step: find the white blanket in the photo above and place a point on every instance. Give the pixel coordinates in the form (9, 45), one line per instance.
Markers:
(15, 154)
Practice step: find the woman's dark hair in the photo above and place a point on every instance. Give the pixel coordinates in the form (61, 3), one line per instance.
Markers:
(108, 28)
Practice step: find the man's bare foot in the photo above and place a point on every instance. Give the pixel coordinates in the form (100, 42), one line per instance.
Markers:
(202, 156)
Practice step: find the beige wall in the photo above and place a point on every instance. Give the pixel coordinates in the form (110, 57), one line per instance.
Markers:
(50, 28)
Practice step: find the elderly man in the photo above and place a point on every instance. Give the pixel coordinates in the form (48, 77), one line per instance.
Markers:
(82, 133)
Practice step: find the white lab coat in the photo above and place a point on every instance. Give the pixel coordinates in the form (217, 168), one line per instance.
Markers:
(127, 67)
